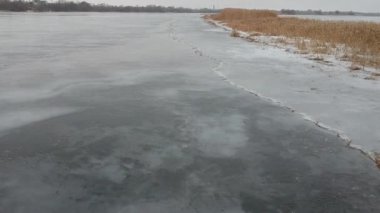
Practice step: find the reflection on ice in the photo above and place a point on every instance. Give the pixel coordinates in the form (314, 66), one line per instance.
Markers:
(16, 118)
(221, 136)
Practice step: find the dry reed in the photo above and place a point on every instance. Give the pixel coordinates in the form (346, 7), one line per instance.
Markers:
(361, 40)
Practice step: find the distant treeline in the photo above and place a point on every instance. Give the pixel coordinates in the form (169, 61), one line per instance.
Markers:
(320, 12)
(69, 6)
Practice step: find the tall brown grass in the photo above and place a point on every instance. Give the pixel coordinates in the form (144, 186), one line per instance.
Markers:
(361, 40)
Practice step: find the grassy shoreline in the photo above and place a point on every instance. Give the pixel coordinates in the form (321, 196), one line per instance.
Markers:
(357, 42)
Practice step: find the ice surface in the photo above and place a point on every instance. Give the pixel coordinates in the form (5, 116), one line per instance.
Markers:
(32, 70)
(117, 112)
(328, 95)
(17, 118)
(41, 61)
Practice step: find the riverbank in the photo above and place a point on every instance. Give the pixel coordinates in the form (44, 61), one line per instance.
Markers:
(353, 42)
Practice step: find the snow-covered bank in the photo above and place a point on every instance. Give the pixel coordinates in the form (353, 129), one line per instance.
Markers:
(332, 55)
(324, 92)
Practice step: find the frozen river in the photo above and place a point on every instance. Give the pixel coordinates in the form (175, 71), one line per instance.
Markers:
(109, 113)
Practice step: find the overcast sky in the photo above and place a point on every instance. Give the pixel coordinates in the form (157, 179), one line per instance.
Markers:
(355, 5)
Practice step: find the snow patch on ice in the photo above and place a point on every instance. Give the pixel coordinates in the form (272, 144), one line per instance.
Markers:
(348, 83)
